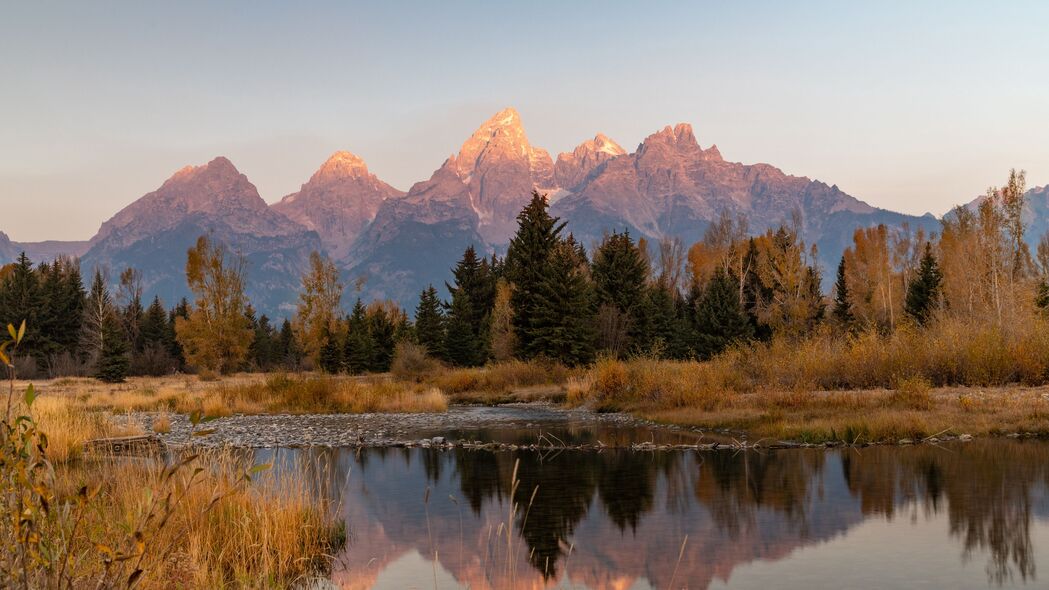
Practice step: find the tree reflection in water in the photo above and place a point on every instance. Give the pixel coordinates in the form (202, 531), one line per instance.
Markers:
(627, 512)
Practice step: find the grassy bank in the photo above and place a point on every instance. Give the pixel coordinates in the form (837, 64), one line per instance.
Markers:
(246, 394)
(213, 520)
(954, 377)
(950, 377)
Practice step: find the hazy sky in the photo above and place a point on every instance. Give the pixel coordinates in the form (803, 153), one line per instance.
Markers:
(913, 106)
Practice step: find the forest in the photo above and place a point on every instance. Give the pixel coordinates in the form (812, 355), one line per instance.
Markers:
(733, 293)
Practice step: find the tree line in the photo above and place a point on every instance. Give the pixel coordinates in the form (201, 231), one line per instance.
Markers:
(547, 298)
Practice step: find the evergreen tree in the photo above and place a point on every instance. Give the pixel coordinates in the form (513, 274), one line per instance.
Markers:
(563, 325)
(359, 351)
(620, 272)
(287, 347)
(475, 277)
(923, 294)
(719, 319)
(842, 304)
(382, 325)
(113, 363)
(429, 323)
(461, 344)
(69, 307)
(154, 329)
(181, 310)
(331, 354)
(21, 299)
(665, 330)
(527, 261)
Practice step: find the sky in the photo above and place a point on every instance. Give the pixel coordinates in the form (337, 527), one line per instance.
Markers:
(912, 106)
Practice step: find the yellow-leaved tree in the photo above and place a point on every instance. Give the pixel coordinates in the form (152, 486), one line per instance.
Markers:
(317, 313)
(217, 333)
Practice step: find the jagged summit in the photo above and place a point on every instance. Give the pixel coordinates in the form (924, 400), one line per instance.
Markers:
(153, 233)
(572, 168)
(668, 187)
(338, 202)
(341, 164)
(216, 190)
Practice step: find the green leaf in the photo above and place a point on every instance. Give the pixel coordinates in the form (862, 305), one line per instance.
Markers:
(30, 395)
(260, 468)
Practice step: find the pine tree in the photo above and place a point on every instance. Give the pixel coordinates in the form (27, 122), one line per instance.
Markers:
(429, 323)
(719, 319)
(154, 329)
(330, 358)
(382, 325)
(287, 347)
(620, 272)
(21, 299)
(665, 333)
(527, 259)
(461, 344)
(475, 277)
(563, 325)
(923, 294)
(842, 304)
(181, 310)
(113, 363)
(359, 351)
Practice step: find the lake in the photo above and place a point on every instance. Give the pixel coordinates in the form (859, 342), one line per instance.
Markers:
(960, 515)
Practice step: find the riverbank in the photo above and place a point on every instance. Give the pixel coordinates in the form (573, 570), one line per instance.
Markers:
(305, 409)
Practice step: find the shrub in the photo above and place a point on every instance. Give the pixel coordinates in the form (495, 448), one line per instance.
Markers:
(411, 362)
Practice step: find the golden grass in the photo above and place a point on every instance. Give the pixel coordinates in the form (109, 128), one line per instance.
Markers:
(162, 424)
(272, 532)
(513, 380)
(248, 394)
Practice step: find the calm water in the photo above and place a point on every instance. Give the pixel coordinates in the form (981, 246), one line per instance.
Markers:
(970, 515)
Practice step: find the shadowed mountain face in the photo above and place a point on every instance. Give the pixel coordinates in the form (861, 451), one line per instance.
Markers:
(154, 233)
(620, 519)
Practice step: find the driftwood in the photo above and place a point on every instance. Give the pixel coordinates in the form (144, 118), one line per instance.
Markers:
(137, 446)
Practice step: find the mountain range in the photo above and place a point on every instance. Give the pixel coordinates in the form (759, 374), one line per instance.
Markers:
(390, 244)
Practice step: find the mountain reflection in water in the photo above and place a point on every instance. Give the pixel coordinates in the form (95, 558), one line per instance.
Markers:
(965, 515)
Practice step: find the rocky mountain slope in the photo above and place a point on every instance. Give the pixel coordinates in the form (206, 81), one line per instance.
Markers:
(670, 186)
(153, 234)
(395, 243)
(338, 202)
(473, 198)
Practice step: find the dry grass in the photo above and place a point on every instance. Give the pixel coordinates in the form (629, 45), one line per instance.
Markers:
(506, 381)
(162, 424)
(271, 532)
(247, 394)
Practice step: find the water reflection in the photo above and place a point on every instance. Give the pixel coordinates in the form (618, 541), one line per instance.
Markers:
(619, 519)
